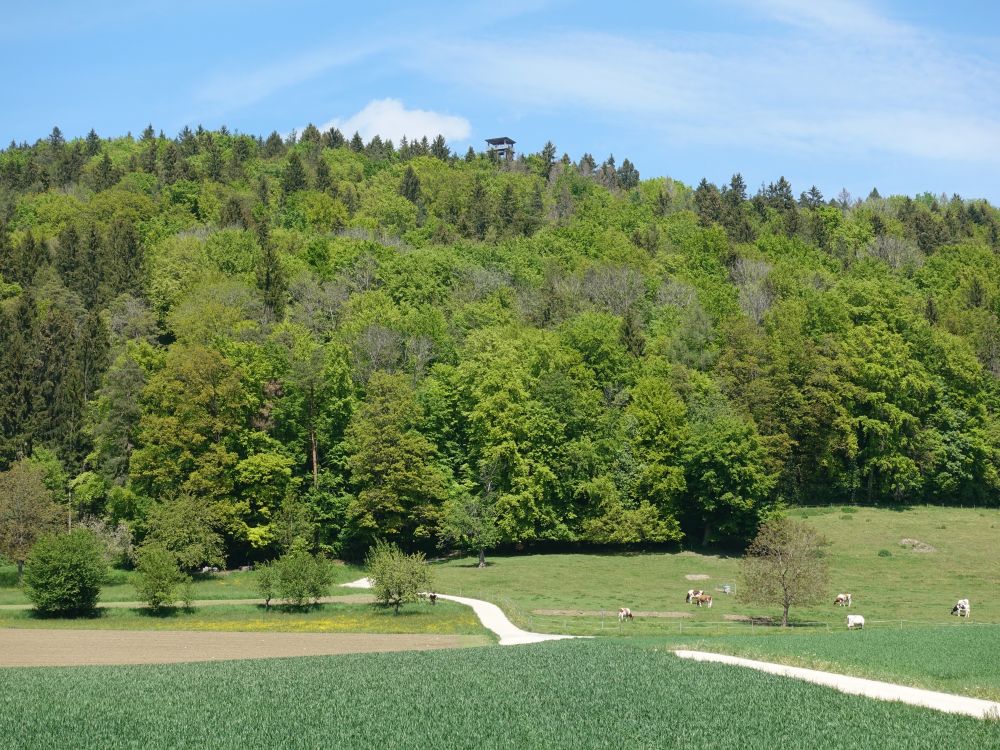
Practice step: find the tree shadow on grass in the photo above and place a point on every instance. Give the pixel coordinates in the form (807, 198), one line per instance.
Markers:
(90, 614)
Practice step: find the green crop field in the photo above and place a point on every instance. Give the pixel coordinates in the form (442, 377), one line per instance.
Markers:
(961, 659)
(890, 582)
(444, 618)
(554, 695)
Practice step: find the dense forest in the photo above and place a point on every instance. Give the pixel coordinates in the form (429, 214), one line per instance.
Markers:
(312, 336)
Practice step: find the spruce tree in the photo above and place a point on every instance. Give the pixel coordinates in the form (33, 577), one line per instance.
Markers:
(409, 186)
(93, 143)
(324, 180)
(293, 178)
(439, 149)
(357, 145)
(270, 274)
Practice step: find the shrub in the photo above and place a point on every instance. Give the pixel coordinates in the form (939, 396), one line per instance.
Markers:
(884, 553)
(397, 577)
(65, 573)
(158, 576)
(296, 577)
(264, 584)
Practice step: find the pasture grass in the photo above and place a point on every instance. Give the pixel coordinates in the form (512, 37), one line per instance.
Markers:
(229, 585)
(962, 660)
(907, 585)
(443, 618)
(593, 694)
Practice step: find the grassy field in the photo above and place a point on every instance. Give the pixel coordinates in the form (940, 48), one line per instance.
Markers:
(890, 582)
(963, 660)
(594, 694)
(235, 585)
(443, 618)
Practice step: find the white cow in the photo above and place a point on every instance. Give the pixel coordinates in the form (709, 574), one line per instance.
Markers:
(844, 600)
(855, 621)
(624, 614)
(962, 608)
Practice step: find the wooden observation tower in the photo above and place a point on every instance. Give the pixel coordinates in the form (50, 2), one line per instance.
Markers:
(502, 147)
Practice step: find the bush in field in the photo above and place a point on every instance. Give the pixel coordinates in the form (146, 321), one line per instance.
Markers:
(65, 573)
(296, 577)
(397, 577)
(158, 577)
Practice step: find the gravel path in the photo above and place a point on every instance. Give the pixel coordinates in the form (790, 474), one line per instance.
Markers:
(490, 615)
(886, 691)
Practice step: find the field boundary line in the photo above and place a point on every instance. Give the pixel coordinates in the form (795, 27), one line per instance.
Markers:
(887, 691)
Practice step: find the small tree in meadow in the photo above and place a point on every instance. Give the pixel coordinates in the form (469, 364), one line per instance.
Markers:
(158, 577)
(65, 573)
(784, 565)
(397, 577)
(297, 577)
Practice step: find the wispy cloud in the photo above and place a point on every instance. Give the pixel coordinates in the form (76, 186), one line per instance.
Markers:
(855, 83)
(225, 91)
(389, 118)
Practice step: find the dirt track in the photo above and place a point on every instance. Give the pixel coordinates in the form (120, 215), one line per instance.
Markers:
(51, 648)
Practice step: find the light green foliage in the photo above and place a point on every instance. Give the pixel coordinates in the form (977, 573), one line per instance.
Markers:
(158, 576)
(396, 577)
(297, 577)
(27, 511)
(65, 573)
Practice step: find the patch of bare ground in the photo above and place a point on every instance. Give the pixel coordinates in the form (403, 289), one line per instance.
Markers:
(70, 648)
(606, 613)
(915, 545)
(697, 577)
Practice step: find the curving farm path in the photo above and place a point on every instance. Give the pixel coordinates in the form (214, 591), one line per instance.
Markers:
(885, 691)
(490, 615)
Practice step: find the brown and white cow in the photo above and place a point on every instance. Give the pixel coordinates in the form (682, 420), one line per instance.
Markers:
(705, 599)
(843, 600)
(691, 594)
(624, 613)
(962, 608)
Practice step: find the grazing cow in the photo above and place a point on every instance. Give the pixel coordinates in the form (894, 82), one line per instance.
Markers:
(624, 614)
(705, 599)
(855, 621)
(691, 595)
(433, 597)
(844, 600)
(962, 608)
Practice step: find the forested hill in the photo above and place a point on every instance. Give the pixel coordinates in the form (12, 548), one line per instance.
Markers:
(319, 337)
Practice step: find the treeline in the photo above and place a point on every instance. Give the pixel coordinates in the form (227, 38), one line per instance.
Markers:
(314, 337)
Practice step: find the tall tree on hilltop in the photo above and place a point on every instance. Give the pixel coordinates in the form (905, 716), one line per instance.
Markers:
(293, 178)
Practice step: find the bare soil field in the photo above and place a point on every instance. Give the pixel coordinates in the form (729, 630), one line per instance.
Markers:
(66, 648)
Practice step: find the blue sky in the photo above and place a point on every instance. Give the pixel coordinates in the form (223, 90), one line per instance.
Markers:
(902, 95)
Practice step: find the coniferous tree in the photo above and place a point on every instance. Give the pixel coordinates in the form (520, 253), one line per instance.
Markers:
(357, 145)
(270, 274)
(470, 155)
(439, 149)
(409, 186)
(324, 180)
(708, 202)
(293, 178)
(105, 175)
(548, 155)
(274, 145)
(628, 175)
(93, 143)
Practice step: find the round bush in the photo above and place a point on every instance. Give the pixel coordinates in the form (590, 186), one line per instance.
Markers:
(64, 573)
(157, 576)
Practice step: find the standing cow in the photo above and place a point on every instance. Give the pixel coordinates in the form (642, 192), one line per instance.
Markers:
(692, 594)
(855, 621)
(962, 608)
(705, 599)
(624, 614)
(843, 600)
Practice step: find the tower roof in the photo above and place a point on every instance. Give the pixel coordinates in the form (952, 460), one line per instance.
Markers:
(502, 141)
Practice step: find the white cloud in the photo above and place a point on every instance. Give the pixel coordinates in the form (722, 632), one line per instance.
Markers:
(388, 118)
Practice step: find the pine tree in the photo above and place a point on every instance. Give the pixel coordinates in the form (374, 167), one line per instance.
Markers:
(548, 158)
(333, 138)
(293, 178)
(708, 203)
(628, 175)
(93, 143)
(105, 175)
(56, 140)
(310, 134)
(324, 180)
(470, 155)
(274, 145)
(270, 274)
(507, 208)
(409, 186)
(215, 164)
(439, 149)
(357, 145)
